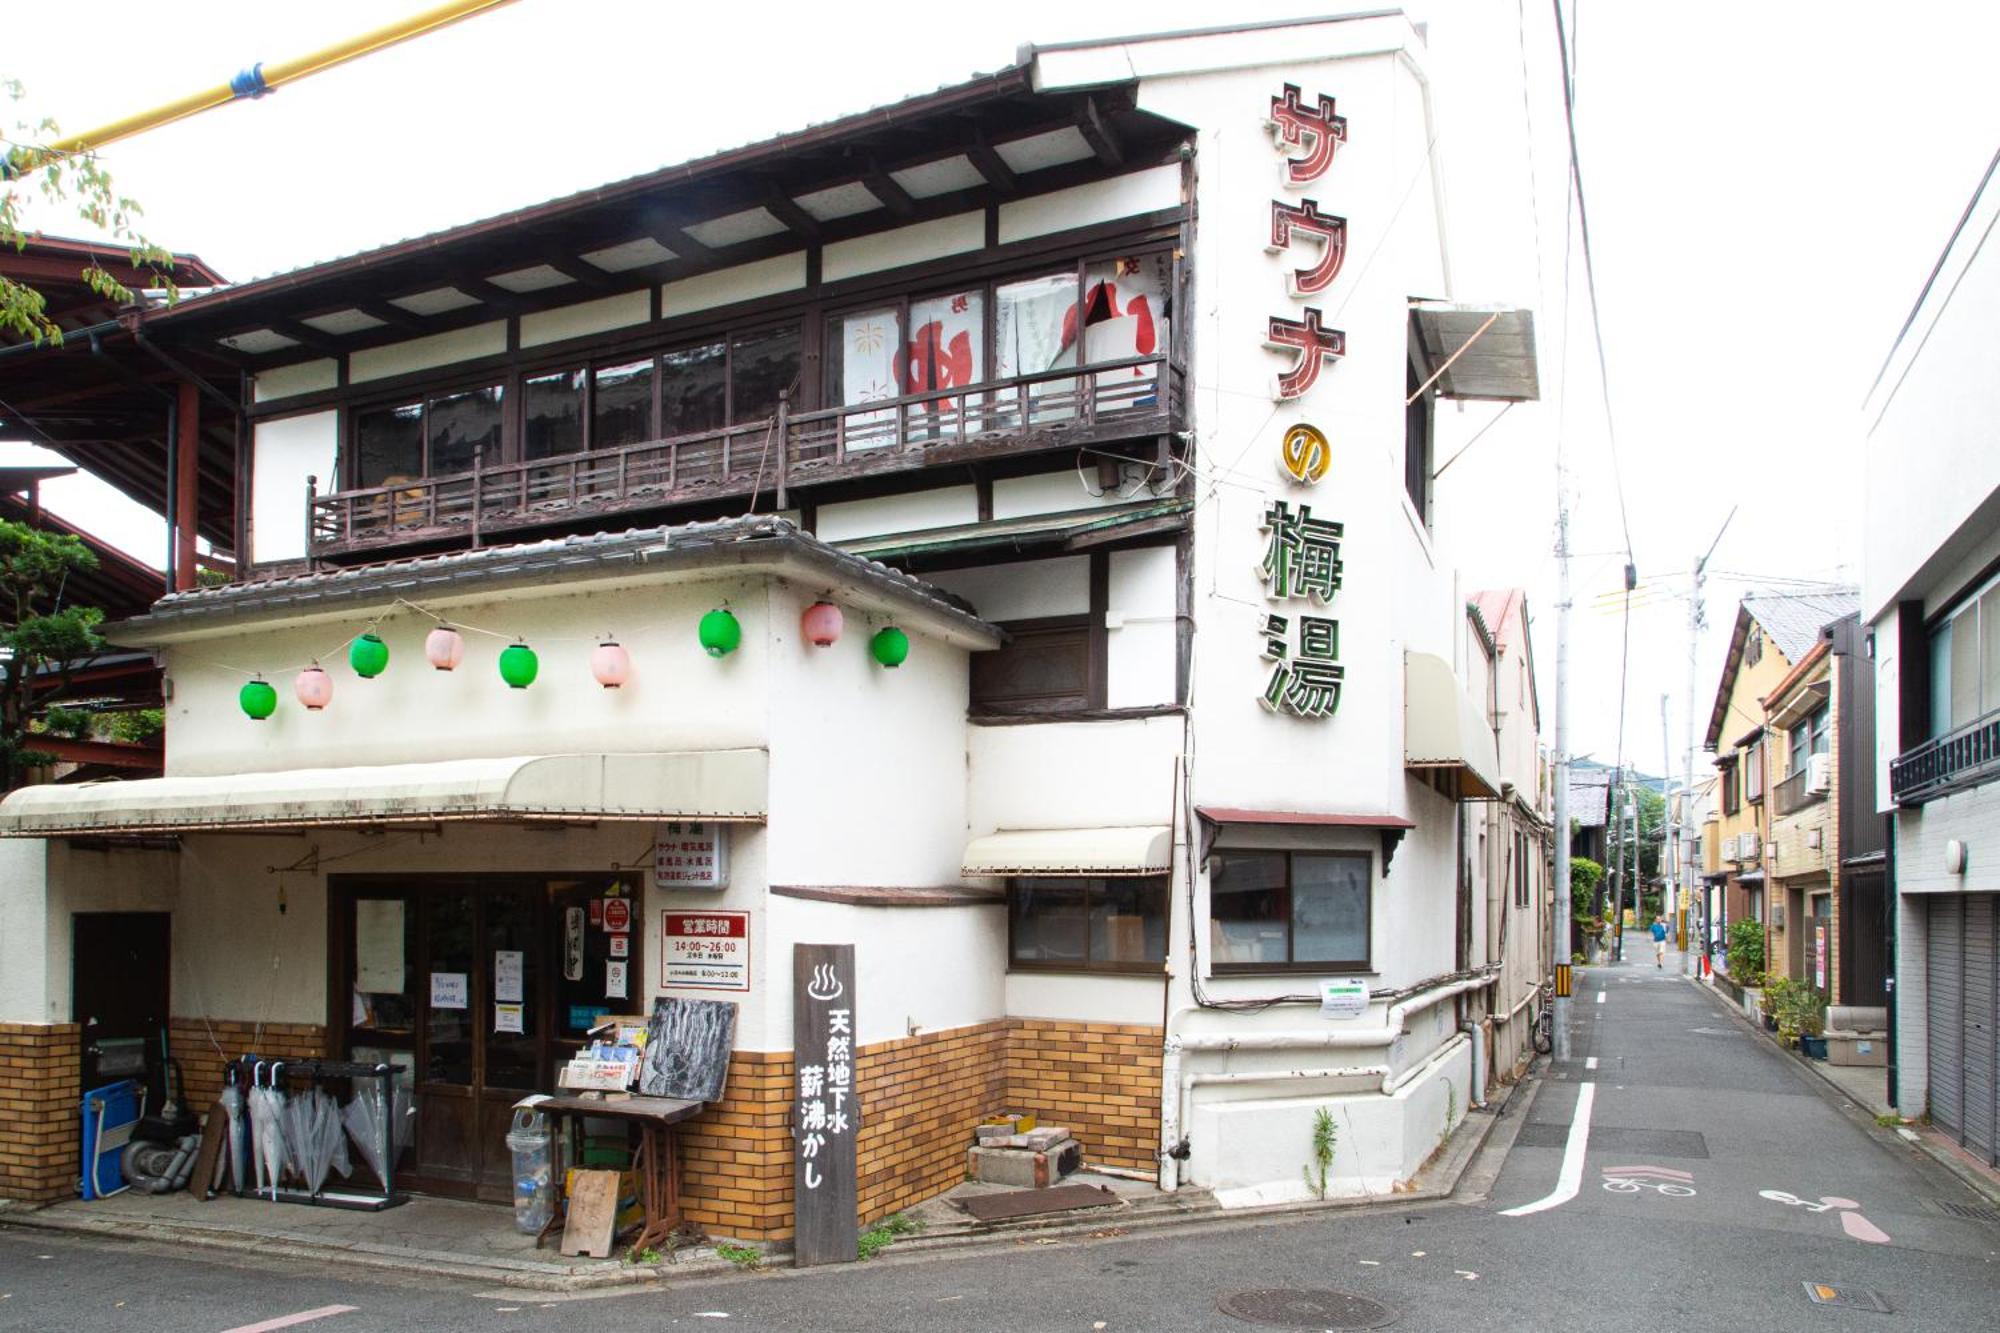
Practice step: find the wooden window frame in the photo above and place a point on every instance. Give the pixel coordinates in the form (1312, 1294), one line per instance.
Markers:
(1146, 967)
(1731, 804)
(1325, 967)
(349, 464)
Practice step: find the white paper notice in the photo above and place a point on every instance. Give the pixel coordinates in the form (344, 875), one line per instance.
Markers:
(614, 980)
(621, 945)
(448, 990)
(507, 1018)
(507, 976)
(378, 945)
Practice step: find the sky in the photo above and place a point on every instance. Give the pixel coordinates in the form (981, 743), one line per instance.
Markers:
(1768, 184)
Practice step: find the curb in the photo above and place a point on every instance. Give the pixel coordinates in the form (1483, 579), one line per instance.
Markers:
(1437, 1179)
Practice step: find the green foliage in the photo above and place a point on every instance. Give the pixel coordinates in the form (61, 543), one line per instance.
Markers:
(1799, 1010)
(43, 639)
(1324, 1138)
(74, 723)
(743, 1256)
(1584, 877)
(1745, 951)
(132, 725)
(885, 1233)
(79, 181)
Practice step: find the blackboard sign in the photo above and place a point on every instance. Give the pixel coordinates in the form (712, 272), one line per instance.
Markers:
(826, 1112)
(687, 1049)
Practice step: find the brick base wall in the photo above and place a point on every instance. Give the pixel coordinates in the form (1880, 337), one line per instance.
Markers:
(194, 1042)
(1102, 1080)
(40, 1088)
(736, 1157)
(920, 1098)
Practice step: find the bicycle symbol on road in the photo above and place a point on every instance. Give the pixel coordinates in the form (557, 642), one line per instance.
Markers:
(1663, 1180)
(1853, 1223)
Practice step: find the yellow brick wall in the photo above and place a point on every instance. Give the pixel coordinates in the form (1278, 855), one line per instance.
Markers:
(195, 1042)
(1102, 1080)
(40, 1089)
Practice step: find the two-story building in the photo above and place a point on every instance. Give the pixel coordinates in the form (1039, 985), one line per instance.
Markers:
(995, 530)
(1931, 601)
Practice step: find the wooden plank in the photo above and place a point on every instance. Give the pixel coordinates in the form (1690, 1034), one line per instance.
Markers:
(208, 1162)
(593, 1214)
(826, 1108)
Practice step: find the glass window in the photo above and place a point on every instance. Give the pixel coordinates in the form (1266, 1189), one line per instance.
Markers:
(1279, 909)
(1965, 666)
(1940, 646)
(762, 366)
(622, 409)
(389, 445)
(382, 967)
(513, 1059)
(1989, 651)
(552, 415)
(864, 350)
(694, 389)
(947, 346)
(464, 427)
(1125, 307)
(1753, 772)
(448, 931)
(1044, 667)
(1034, 325)
(1109, 924)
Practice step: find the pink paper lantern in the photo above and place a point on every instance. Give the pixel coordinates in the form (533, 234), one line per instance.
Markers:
(822, 624)
(611, 664)
(445, 648)
(314, 688)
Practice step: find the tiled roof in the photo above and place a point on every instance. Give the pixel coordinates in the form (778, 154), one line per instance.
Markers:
(1793, 619)
(1589, 796)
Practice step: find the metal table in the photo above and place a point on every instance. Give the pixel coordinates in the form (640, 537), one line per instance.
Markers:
(657, 1163)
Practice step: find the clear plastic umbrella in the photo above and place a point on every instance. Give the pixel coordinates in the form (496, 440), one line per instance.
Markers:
(267, 1134)
(312, 1135)
(232, 1107)
(363, 1120)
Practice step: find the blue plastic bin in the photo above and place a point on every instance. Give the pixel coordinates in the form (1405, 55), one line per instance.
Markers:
(110, 1114)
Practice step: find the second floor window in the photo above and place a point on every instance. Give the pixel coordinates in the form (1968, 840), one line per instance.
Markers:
(1753, 773)
(1809, 738)
(1965, 662)
(1727, 783)
(447, 433)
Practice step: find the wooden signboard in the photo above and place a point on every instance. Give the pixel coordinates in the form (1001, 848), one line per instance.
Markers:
(826, 1112)
(208, 1161)
(593, 1214)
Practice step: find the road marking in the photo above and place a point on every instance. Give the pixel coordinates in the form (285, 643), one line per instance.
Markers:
(1590, 1062)
(291, 1320)
(1601, 994)
(1570, 1179)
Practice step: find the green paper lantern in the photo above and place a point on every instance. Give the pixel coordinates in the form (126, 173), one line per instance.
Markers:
(720, 633)
(258, 698)
(369, 656)
(891, 646)
(519, 665)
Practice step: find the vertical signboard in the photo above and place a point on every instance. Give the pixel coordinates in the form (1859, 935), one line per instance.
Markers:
(826, 1113)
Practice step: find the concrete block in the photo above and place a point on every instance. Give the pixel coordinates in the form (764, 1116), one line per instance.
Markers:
(1024, 1169)
(1846, 1048)
(1035, 1140)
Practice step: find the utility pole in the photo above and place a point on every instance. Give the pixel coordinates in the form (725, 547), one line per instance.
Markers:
(1669, 828)
(1697, 621)
(1559, 907)
(1614, 812)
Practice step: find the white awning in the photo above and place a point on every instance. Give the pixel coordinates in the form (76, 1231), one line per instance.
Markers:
(695, 784)
(1145, 849)
(1491, 350)
(1445, 729)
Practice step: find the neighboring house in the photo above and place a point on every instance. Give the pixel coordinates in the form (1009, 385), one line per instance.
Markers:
(1931, 601)
(1772, 634)
(1688, 813)
(1827, 840)
(1590, 813)
(1517, 841)
(1174, 742)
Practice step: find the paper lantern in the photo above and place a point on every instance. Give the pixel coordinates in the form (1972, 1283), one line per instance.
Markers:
(720, 633)
(444, 648)
(891, 646)
(368, 655)
(519, 665)
(611, 664)
(822, 624)
(314, 687)
(259, 700)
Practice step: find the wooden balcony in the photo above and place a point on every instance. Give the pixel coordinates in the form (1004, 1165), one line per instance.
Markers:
(1136, 398)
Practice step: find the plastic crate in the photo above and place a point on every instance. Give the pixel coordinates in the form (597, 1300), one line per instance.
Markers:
(110, 1114)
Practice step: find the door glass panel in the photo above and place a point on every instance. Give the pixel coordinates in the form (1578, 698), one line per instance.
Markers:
(863, 352)
(389, 445)
(693, 389)
(761, 367)
(513, 1038)
(582, 974)
(552, 415)
(464, 427)
(623, 413)
(452, 956)
(382, 997)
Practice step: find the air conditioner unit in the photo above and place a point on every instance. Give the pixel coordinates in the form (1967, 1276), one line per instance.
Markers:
(1751, 846)
(1819, 774)
(1732, 847)
(1777, 916)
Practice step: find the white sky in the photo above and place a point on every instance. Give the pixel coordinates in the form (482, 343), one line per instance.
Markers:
(1769, 183)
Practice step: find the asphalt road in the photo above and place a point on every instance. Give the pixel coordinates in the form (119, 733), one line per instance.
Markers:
(1681, 1095)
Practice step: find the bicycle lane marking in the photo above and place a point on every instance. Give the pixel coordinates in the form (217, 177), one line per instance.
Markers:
(1570, 1179)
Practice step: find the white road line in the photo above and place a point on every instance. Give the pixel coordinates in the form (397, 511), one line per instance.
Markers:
(1570, 1180)
(1600, 996)
(1590, 1062)
(292, 1320)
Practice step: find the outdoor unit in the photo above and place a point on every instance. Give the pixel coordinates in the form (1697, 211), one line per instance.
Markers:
(1819, 774)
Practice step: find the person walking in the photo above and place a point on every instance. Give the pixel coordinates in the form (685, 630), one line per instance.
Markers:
(1659, 941)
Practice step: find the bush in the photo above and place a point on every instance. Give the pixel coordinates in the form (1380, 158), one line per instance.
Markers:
(1746, 952)
(1584, 877)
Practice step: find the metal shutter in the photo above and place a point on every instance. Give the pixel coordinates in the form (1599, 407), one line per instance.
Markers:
(1981, 1102)
(1945, 976)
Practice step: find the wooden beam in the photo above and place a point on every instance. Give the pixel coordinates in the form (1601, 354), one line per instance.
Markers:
(502, 300)
(991, 165)
(187, 487)
(580, 271)
(307, 336)
(393, 315)
(111, 754)
(893, 196)
(1098, 135)
(786, 210)
(684, 246)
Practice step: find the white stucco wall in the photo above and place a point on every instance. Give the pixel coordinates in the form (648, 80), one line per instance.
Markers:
(438, 349)
(284, 454)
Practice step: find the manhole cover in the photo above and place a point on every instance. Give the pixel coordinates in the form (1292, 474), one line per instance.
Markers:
(1289, 1307)
(1968, 1211)
(1852, 1298)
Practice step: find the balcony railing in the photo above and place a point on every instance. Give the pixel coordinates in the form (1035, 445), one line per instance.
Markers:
(1132, 398)
(1955, 760)
(1792, 795)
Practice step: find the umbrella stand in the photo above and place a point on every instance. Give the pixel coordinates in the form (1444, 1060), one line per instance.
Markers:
(296, 1125)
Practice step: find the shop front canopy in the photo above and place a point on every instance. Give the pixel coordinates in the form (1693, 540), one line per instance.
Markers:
(1446, 733)
(1144, 849)
(1481, 352)
(696, 784)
